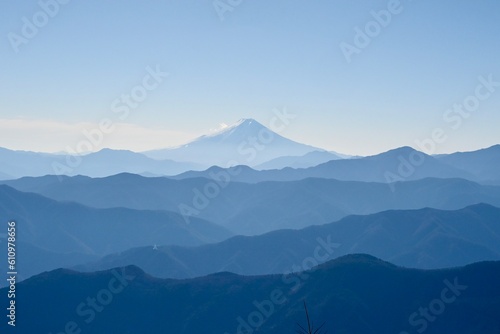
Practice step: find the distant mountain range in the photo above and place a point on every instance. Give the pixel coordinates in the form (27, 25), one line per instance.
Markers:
(258, 208)
(402, 164)
(16, 164)
(135, 212)
(54, 234)
(353, 294)
(245, 142)
(425, 239)
(249, 143)
(248, 201)
(310, 159)
(484, 163)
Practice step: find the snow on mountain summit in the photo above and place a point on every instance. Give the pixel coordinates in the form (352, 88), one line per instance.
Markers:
(246, 142)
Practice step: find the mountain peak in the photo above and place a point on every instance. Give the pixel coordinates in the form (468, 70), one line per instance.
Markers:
(246, 142)
(403, 151)
(246, 121)
(243, 125)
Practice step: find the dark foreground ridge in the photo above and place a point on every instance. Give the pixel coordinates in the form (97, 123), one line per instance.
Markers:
(352, 294)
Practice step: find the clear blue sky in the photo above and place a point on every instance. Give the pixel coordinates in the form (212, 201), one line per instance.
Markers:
(263, 55)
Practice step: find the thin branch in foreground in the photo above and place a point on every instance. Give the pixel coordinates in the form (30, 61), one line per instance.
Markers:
(310, 326)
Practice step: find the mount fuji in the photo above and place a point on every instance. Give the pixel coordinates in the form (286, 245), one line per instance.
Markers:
(246, 142)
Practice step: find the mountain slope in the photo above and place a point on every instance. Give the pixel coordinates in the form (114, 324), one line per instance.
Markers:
(16, 164)
(110, 162)
(484, 163)
(310, 159)
(63, 228)
(245, 143)
(354, 294)
(402, 164)
(252, 209)
(425, 238)
(36, 260)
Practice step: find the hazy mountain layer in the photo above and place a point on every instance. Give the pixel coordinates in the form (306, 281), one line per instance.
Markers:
(402, 164)
(64, 233)
(310, 159)
(425, 238)
(16, 164)
(483, 163)
(252, 209)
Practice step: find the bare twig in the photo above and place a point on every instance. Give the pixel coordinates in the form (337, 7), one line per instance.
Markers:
(310, 326)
